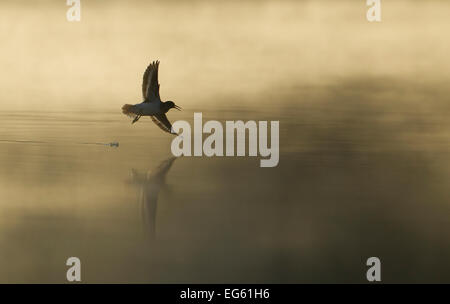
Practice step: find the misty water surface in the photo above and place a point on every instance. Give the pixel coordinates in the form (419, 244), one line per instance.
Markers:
(364, 132)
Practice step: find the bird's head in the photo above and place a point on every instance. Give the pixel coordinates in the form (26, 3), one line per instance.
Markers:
(170, 104)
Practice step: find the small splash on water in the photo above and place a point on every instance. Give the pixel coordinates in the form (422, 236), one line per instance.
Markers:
(111, 144)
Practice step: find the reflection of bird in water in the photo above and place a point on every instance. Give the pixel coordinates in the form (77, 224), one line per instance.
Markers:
(152, 105)
(150, 184)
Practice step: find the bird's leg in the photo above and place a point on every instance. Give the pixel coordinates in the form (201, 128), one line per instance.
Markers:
(136, 119)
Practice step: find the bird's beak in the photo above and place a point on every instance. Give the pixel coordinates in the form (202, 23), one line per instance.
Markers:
(177, 107)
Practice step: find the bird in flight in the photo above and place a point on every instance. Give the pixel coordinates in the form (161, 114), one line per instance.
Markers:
(152, 105)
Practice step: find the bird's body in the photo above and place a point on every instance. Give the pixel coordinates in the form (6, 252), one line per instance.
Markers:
(152, 105)
(148, 108)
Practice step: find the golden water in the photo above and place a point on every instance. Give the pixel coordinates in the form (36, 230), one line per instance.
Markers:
(364, 133)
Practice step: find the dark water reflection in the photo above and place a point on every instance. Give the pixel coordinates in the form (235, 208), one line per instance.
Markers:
(363, 170)
(150, 183)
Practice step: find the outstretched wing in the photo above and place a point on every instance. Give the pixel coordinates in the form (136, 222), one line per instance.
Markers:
(150, 85)
(161, 121)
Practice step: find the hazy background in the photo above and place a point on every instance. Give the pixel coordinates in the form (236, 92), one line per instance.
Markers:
(364, 141)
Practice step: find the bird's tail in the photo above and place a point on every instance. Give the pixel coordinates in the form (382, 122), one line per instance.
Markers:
(129, 110)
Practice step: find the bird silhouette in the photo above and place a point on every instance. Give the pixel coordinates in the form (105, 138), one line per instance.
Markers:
(152, 105)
